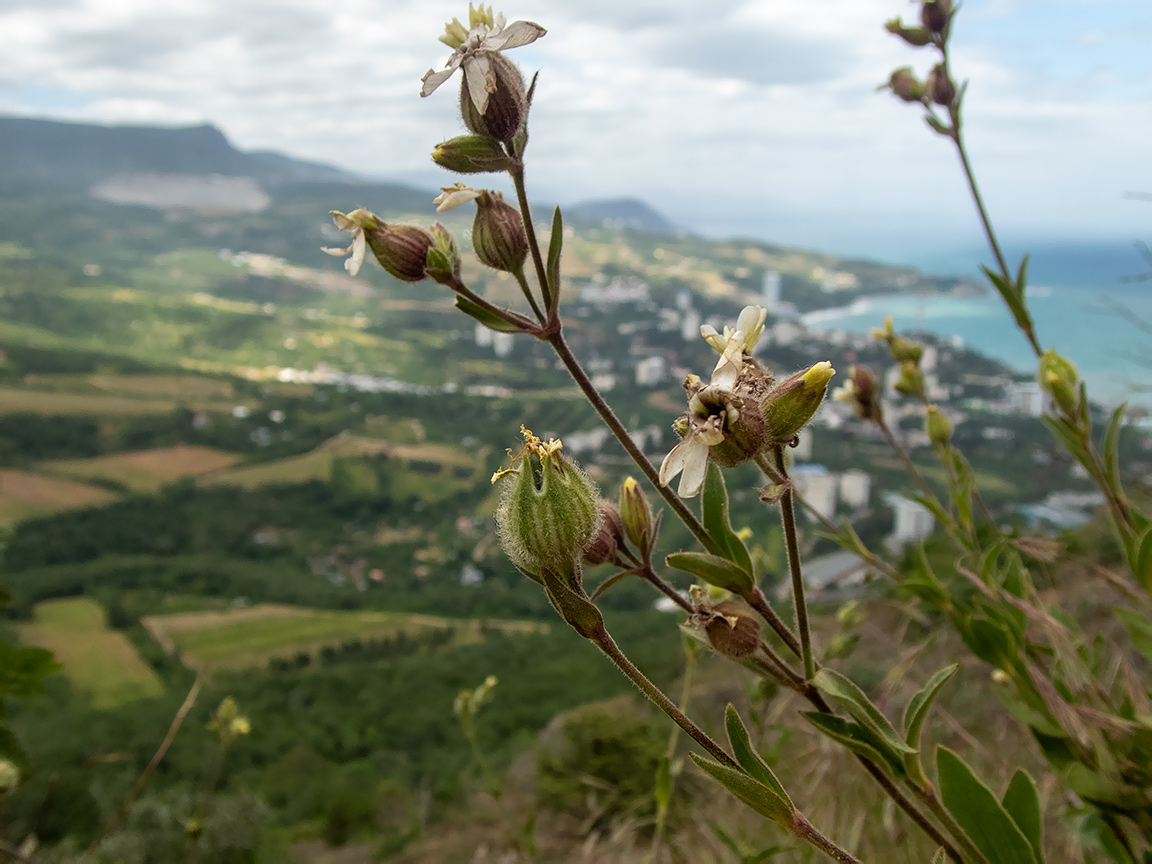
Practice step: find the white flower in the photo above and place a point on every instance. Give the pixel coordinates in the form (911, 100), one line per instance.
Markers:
(454, 196)
(472, 49)
(750, 323)
(350, 222)
(689, 458)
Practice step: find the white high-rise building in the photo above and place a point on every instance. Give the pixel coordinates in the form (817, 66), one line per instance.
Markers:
(912, 520)
(502, 343)
(855, 487)
(818, 487)
(651, 371)
(483, 335)
(690, 325)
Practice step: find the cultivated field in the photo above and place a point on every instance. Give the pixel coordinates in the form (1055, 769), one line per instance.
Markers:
(95, 659)
(24, 494)
(145, 470)
(248, 637)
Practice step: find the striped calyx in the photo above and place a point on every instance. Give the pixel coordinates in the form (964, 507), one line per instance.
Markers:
(548, 512)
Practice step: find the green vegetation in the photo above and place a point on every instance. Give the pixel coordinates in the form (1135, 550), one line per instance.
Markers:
(96, 659)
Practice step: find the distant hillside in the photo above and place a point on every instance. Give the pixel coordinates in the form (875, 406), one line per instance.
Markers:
(76, 155)
(620, 213)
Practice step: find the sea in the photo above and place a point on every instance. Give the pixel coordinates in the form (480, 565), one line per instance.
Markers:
(1088, 301)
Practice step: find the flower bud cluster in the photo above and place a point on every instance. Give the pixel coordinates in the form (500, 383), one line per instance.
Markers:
(1058, 377)
(935, 22)
(228, 723)
(406, 252)
(498, 235)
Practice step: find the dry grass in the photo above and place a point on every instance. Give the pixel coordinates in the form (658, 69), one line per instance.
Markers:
(14, 400)
(146, 470)
(24, 494)
(94, 658)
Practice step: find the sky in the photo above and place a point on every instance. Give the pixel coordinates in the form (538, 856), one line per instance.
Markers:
(750, 118)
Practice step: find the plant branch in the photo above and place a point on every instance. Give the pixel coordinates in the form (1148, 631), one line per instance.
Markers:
(527, 290)
(804, 830)
(560, 346)
(517, 172)
(756, 599)
(788, 517)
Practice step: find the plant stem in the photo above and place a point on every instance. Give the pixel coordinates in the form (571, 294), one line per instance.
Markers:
(469, 727)
(909, 465)
(788, 517)
(517, 173)
(527, 290)
(146, 774)
(756, 599)
(508, 315)
(804, 830)
(651, 576)
(670, 751)
(971, 851)
(560, 346)
(607, 644)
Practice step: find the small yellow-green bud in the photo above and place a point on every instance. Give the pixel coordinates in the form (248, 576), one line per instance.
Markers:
(905, 85)
(1059, 378)
(917, 37)
(507, 100)
(939, 86)
(498, 233)
(794, 401)
(239, 726)
(609, 536)
(443, 260)
(402, 250)
(733, 629)
(9, 776)
(902, 350)
(548, 512)
(937, 427)
(636, 513)
(911, 381)
(471, 154)
(228, 710)
(934, 15)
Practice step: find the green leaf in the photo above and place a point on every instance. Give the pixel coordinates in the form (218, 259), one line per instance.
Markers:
(555, 244)
(859, 740)
(1023, 805)
(1022, 277)
(1143, 569)
(982, 817)
(932, 507)
(486, 317)
(844, 692)
(520, 141)
(712, 569)
(917, 712)
(714, 511)
(1139, 630)
(756, 795)
(963, 494)
(663, 784)
(1112, 448)
(1067, 435)
(748, 758)
(989, 641)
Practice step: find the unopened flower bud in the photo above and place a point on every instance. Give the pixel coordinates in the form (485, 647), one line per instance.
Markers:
(934, 15)
(914, 36)
(239, 726)
(1060, 380)
(911, 380)
(939, 86)
(498, 233)
(228, 710)
(733, 629)
(859, 391)
(402, 250)
(443, 261)
(471, 154)
(609, 536)
(507, 101)
(902, 350)
(548, 512)
(937, 427)
(905, 85)
(794, 401)
(636, 513)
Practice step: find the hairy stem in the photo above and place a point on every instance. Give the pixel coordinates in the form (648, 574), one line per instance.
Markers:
(804, 830)
(670, 751)
(756, 599)
(607, 644)
(527, 291)
(653, 578)
(560, 346)
(517, 173)
(788, 517)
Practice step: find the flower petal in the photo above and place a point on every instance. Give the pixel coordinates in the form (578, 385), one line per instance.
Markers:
(518, 33)
(332, 250)
(432, 80)
(342, 221)
(695, 470)
(356, 259)
(728, 368)
(480, 78)
(454, 196)
(673, 463)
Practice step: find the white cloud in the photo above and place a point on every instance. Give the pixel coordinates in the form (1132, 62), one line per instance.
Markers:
(758, 117)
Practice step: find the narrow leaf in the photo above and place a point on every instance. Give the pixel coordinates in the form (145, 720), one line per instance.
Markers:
(663, 784)
(843, 691)
(1143, 568)
(988, 641)
(714, 512)
(1023, 805)
(1112, 448)
(932, 507)
(1022, 276)
(757, 796)
(1139, 630)
(982, 817)
(555, 244)
(859, 740)
(712, 569)
(919, 705)
(747, 756)
(487, 317)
